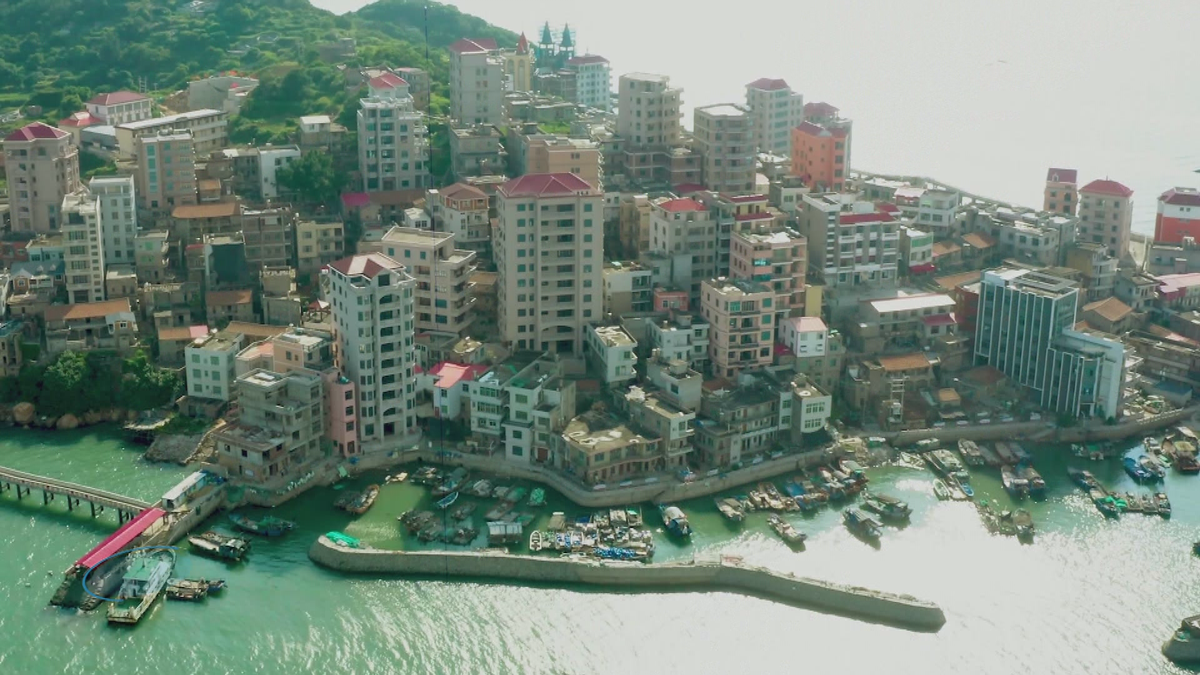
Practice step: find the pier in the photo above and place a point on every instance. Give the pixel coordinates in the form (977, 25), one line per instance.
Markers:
(25, 483)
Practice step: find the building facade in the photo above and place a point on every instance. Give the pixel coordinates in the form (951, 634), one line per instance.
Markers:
(166, 174)
(741, 314)
(1062, 191)
(476, 82)
(393, 142)
(776, 110)
(593, 81)
(42, 168)
(723, 134)
(442, 273)
(1178, 215)
(820, 156)
(118, 222)
(83, 247)
(1106, 215)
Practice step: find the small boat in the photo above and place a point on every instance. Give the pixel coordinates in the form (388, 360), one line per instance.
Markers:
(1019, 452)
(535, 540)
(940, 490)
(1033, 480)
(1186, 463)
(426, 475)
(1132, 503)
(1151, 444)
(675, 520)
(363, 502)
(214, 585)
(618, 518)
(1153, 467)
(633, 516)
(498, 511)
(267, 526)
(731, 509)
(861, 524)
(1024, 522)
(537, 497)
(445, 502)
(1083, 479)
(967, 490)
(220, 546)
(464, 535)
(481, 488)
(887, 507)
(515, 495)
(500, 491)
(187, 590)
(1013, 485)
(452, 483)
(396, 478)
(786, 532)
(1163, 504)
(1136, 471)
(1105, 504)
(558, 522)
(463, 511)
(949, 465)
(970, 452)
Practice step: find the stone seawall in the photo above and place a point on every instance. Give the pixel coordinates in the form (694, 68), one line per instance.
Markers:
(717, 575)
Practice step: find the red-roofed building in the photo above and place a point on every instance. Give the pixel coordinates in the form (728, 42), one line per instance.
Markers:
(386, 83)
(1106, 216)
(820, 156)
(42, 166)
(681, 205)
(818, 111)
(476, 82)
(776, 110)
(78, 122)
(549, 258)
(852, 243)
(448, 384)
(1178, 215)
(1062, 191)
(677, 228)
(121, 107)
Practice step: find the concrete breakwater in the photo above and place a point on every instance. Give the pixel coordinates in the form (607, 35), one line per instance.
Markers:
(717, 574)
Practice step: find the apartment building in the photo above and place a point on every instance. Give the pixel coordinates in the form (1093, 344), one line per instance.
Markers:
(372, 303)
(210, 362)
(852, 243)
(593, 81)
(598, 446)
(627, 288)
(1178, 215)
(462, 210)
(723, 134)
(675, 381)
(658, 418)
(442, 273)
(120, 107)
(559, 154)
(476, 82)
(634, 224)
(277, 436)
(680, 336)
(776, 110)
(613, 353)
(476, 151)
(118, 222)
(1032, 237)
(741, 314)
(207, 127)
(318, 243)
(1024, 328)
(1099, 269)
(751, 417)
(166, 174)
(916, 251)
(42, 168)
(524, 402)
(906, 321)
(549, 257)
(393, 142)
(684, 232)
(1062, 191)
(269, 236)
(83, 250)
(649, 126)
(774, 256)
(1106, 215)
(817, 352)
(820, 156)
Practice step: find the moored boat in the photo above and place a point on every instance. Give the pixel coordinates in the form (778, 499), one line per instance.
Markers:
(463, 511)
(946, 463)
(633, 516)
(861, 524)
(1151, 444)
(396, 478)
(535, 540)
(537, 497)
(1033, 479)
(1135, 470)
(675, 520)
(970, 452)
(1162, 504)
(887, 507)
(452, 483)
(146, 575)
(1024, 522)
(1153, 467)
(515, 495)
(267, 526)
(364, 501)
(1186, 463)
(1013, 485)
(481, 488)
(220, 546)
(730, 509)
(445, 502)
(940, 490)
(786, 532)
(1105, 503)
(1083, 479)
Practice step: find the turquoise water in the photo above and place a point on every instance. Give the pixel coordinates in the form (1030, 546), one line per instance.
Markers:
(1088, 596)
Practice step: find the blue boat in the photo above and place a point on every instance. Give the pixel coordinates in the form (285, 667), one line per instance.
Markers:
(445, 502)
(1136, 471)
(675, 520)
(967, 490)
(793, 489)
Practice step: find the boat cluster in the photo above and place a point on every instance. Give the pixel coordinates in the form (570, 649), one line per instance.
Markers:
(358, 503)
(451, 522)
(1112, 505)
(615, 534)
(806, 492)
(1017, 523)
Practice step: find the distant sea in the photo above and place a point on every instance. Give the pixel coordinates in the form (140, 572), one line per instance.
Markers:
(983, 95)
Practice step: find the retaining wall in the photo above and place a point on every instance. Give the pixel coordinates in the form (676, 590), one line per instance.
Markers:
(718, 575)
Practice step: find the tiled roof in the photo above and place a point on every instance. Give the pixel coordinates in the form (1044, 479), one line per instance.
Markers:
(1061, 175)
(463, 191)
(1181, 197)
(546, 185)
(80, 119)
(768, 84)
(813, 129)
(807, 324)
(979, 240)
(355, 199)
(942, 248)
(117, 97)
(182, 333)
(904, 362)
(953, 281)
(244, 296)
(259, 331)
(468, 46)
(874, 217)
(681, 205)
(586, 59)
(1107, 187)
(34, 131)
(86, 310)
(819, 109)
(387, 81)
(214, 210)
(947, 319)
(1111, 309)
(367, 265)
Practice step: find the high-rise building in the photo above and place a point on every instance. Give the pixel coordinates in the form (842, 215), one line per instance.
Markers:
(742, 316)
(776, 110)
(1178, 215)
(462, 210)
(549, 256)
(683, 231)
(1024, 328)
(1106, 215)
(371, 298)
(393, 142)
(1062, 191)
(442, 272)
(724, 137)
(42, 168)
(593, 81)
(774, 256)
(166, 174)
(83, 247)
(648, 112)
(476, 82)
(118, 220)
(820, 156)
(852, 243)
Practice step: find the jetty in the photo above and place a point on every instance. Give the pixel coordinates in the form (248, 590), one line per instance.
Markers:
(712, 573)
(25, 483)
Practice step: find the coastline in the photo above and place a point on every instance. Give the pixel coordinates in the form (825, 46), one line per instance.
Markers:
(715, 575)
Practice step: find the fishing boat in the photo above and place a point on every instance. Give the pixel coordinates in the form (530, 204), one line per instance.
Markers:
(426, 475)
(464, 535)
(267, 526)
(558, 522)
(396, 478)
(958, 491)
(1152, 444)
(535, 540)
(1005, 453)
(452, 483)
(887, 507)
(731, 509)
(675, 520)
(1132, 503)
(618, 518)
(1153, 467)
(363, 502)
(1021, 454)
(1083, 479)
(1105, 504)
(990, 458)
(970, 452)
(481, 488)
(1162, 504)
(537, 497)
(220, 546)
(447, 501)
(463, 511)
(949, 465)
(188, 590)
(415, 521)
(498, 511)
(927, 444)
(1024, 523)
(146, 575)
(633, 516)
(1136, 471)
(500, 491)
(1033, 479)
(940, 490)
(1186, 463)
(861, 524)
(515, 495)
(1013, 485)
(786, 532)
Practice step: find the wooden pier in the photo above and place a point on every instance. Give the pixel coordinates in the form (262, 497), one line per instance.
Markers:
(25, 483)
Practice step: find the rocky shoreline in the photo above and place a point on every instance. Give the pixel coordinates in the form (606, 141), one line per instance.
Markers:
(25, 415)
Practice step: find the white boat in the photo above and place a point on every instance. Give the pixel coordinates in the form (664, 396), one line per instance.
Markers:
(535, 540)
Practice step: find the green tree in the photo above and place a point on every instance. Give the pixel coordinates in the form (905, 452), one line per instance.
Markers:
(145, 386)
(63, 383)
(313, 179)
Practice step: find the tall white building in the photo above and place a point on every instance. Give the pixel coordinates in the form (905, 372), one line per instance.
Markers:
(648, 113)
(118, 217)
(393, 142)
(83, 247)
(476, 82)
(371, 298)
(549, 257)
(593, 81)
(723, 135)
(776, 110)
(42, 166)
(211, 364)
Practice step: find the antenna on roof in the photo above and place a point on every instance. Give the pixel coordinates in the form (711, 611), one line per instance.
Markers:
(426, 34)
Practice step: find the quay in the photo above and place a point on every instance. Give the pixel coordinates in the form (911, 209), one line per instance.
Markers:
(25, 483)
(703, 575)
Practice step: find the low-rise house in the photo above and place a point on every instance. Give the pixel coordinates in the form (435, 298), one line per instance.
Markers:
(627, 288)
(522, 402)
(597, 447)
(224, 306)
(1136, 289)
(811, 408)
(110, 324)
(612, 352)
(173, 341)
(448, 384)
(277, 436)
(11, 338)
(675, 380)
(210, 366)
(679, 335)
(877, 386)
(743, 420)
(902, 322)
(1109, 315)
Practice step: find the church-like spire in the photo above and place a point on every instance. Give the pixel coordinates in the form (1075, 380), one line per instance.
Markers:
(547, 38)
(522, 45)
(566, 38)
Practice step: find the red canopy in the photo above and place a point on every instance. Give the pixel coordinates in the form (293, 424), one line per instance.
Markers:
(122, 537)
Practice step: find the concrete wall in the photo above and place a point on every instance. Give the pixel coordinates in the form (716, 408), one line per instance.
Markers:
(1044, 430)
(716, 575)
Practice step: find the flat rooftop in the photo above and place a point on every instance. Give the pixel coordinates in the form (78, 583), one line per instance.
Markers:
(171, 119)
(614, 336)
(724, 110)
(912, 302)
